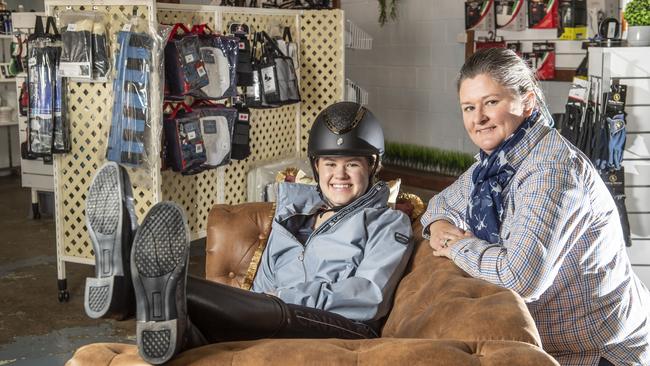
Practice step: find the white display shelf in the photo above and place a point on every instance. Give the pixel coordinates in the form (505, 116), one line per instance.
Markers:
(11, 123)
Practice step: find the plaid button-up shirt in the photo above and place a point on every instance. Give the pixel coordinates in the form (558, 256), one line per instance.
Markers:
(561, 250)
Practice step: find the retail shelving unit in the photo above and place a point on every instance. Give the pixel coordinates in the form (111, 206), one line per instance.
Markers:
(276, 132)
(8, 133)
(630, 66)
(36, 175)
(356, 39)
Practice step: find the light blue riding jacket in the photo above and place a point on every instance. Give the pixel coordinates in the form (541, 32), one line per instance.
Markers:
(350, 265)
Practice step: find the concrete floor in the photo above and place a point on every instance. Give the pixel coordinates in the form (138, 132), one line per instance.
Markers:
(35, 329)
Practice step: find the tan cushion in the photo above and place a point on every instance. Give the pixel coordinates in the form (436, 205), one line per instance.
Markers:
(300, 352)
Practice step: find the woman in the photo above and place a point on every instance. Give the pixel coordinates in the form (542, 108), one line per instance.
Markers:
(329, 270)
(532, 215)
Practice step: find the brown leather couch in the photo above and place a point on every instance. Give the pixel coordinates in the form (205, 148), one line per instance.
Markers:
(441, 316)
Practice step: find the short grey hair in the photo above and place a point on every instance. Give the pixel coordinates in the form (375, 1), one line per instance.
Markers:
(506, 68)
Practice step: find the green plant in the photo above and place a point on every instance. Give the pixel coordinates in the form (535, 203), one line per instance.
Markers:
(427, 158)
(387, 8)
(637, 12)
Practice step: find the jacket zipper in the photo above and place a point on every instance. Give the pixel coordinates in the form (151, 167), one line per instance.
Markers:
(301, 256)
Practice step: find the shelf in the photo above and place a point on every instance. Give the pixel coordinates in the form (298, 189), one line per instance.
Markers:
(356, 38)
(11, 80)
(6, 36)
(12, 123)
(563, 75)
(568, 53)
(415, 178)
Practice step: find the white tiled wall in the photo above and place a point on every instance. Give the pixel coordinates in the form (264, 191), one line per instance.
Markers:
(410, 72)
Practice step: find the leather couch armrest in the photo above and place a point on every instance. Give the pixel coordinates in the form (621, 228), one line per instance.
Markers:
(438, 300)
(234, 234)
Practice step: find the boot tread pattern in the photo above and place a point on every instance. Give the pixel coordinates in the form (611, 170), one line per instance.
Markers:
(163, 234)
(160, 258)
(98, 298)
(156, 344)
(103, 203)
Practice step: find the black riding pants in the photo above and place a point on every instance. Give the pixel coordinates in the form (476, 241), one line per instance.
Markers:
(224, 313)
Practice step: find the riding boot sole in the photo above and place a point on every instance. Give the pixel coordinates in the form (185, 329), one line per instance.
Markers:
(159, 268)
(109, 293)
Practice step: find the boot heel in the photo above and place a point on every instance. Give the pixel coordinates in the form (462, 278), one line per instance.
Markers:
(108, 297)
(157, 341)
(97, 296)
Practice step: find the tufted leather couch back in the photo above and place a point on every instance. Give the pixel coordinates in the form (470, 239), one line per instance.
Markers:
(234, 234)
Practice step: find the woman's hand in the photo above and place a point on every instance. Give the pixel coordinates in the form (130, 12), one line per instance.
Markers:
(444, 235)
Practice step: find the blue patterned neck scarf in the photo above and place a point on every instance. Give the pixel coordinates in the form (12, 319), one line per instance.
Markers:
(491, 176)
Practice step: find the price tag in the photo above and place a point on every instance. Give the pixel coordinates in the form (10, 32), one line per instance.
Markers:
(268, 79)
(71, 27)
(127, 27)
(199, 148)
(189, 58)
(201, 70)
(243, 117)
(191, 135)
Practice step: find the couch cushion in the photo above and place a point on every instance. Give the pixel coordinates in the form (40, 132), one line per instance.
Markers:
(330, 352)
(438, 300)
(228, 262)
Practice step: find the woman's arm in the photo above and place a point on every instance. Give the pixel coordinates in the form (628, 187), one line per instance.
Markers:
(366, 294)
(552, 210)
(450, 204)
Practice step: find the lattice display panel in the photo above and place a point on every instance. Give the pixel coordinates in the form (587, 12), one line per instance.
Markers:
(89, 115)
(196, 193)
(187, 17)
(261, 22)
(273, 135)
(273, 131)
(322, 67)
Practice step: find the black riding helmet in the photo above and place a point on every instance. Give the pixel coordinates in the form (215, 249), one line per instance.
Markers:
(346, 129)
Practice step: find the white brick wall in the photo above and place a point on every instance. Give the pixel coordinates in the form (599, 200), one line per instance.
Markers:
(410, 72)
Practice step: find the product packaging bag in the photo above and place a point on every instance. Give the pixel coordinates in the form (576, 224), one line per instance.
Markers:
(184, 140)
(184, 69)
(219, 55)
(132, 89)
(47, 128)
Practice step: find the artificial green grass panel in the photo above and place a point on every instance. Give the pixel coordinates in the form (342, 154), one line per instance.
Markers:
(427, 159)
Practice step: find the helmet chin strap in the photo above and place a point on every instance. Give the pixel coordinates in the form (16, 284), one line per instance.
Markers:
(330, 205)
